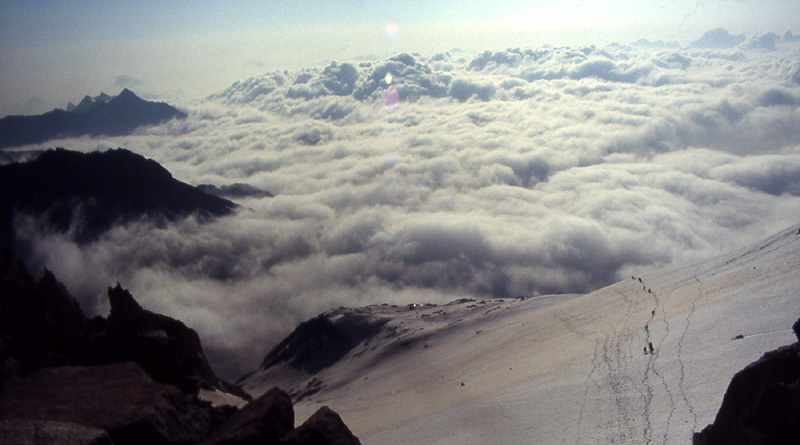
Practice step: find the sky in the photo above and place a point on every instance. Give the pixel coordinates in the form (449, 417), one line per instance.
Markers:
(417, 151)
(53, 52)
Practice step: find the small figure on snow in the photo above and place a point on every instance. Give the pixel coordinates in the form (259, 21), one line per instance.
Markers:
(650, 345)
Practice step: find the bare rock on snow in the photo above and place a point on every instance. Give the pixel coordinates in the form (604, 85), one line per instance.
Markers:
(321, 341)
(263, 421)
(762, 402)
(324, 426)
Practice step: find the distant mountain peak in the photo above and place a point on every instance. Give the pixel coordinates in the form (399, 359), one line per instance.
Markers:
(101, 115)
(88, 102)
(126, 93)
(84, 105)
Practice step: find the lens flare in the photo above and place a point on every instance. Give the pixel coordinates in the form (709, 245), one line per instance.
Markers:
(391, 96)
(391, 30)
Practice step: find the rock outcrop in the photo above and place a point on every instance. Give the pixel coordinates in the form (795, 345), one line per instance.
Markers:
(120, 399)
(88, 193)
(166, 348)
(264, 420)
(42, 326)
(40, 323)
(762, 402)
(105, 116)
(132, 378)
(324, 426)
(50, 432)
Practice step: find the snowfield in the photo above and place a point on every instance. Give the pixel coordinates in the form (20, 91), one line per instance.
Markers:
(561, 368)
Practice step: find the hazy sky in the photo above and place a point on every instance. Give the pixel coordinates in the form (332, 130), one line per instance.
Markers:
(52, 52)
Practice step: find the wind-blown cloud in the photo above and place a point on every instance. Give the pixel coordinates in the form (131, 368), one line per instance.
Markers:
(125, 81)
(506, 173)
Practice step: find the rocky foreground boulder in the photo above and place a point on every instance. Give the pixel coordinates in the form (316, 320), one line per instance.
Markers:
(119, 398)
(324, 426)
(35, 432)
(267, 418)
(762, 402)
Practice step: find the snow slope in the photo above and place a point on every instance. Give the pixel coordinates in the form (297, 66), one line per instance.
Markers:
(561, 368)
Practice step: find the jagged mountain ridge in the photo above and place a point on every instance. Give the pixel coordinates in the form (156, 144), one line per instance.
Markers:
(116, 116)
(97, 190)
(43, 326)
(543, 369)
(87, 102)
(131, 378)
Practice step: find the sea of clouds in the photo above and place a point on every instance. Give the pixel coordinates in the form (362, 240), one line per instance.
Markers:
(428, 178)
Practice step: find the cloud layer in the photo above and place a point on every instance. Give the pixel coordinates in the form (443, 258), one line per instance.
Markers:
(510, 173)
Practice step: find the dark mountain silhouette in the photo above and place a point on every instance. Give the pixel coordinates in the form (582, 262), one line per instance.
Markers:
(90, 192)
(99, 116)
(87, 102)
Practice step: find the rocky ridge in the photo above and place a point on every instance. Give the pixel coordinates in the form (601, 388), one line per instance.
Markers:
(133, 377)
(85, 194)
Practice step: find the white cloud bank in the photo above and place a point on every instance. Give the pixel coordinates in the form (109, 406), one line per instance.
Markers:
(509, 173)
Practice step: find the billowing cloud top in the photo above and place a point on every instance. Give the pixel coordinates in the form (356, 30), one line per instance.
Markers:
(415, 178)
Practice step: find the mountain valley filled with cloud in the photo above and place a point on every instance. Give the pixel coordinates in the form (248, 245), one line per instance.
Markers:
(428, 178)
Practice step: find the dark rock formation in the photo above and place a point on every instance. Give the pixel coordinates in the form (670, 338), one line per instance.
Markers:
(41, 432)
(41, 325)
(166, 348)
(263, 421)
(90, 192)
(120, 398)
(761, 404)
(105, 116)
(323, 427)
(321, 341)
(132, 378)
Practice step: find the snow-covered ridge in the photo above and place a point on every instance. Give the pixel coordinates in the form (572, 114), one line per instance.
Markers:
(561, 367)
